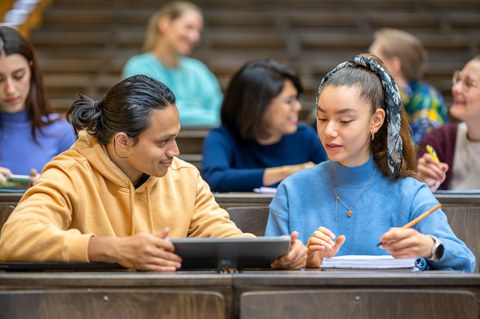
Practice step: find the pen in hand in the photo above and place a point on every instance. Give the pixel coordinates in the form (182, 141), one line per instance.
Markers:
(413, 222)
(432, 152)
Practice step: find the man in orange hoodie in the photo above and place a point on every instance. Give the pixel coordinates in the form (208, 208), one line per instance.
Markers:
(120, 190)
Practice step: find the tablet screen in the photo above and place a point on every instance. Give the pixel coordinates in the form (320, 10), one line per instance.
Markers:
(223, 253)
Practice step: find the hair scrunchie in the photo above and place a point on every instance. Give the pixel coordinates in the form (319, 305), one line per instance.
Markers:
(393, 104)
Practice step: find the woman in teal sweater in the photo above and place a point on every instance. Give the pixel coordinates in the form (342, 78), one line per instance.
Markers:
(367, 190)
(173, 32)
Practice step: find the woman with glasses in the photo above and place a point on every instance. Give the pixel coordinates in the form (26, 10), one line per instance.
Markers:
(260, 141)
(457, 145)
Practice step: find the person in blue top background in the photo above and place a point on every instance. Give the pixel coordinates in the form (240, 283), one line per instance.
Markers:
(30, 133)
(260, 141)
(367, 190)
(173, 32)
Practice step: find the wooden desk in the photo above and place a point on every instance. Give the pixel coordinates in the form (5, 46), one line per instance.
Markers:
(115, 295)
(287, 291)
(356, 294)
(256, 199)
(8, 201)
(463, 212)
(226, 200)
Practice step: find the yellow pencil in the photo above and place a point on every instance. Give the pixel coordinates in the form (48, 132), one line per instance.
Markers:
(432, 152)
(413, 222)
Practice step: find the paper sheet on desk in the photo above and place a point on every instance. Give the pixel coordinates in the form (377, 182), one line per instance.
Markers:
(265, 190)
(368, 262)
(458, 192)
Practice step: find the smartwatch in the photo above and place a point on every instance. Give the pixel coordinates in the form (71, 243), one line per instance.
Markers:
(437, 250)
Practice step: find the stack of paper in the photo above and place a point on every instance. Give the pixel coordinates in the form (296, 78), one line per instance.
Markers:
(368, 262)
(265, 190)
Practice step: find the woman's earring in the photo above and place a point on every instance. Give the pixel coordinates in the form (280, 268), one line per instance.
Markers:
(373, 136)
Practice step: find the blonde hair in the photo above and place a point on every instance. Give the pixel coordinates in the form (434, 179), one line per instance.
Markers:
(407, 48)
(171, 10)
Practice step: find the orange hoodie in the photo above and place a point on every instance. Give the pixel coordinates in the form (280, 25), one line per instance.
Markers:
(82, 193)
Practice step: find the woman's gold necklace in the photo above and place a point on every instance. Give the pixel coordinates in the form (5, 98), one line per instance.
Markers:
(337, 198)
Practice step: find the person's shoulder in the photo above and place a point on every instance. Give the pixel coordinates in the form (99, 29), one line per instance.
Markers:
(71, 162)
(443, 130)
(304, 129)
(421, 87)
(221, 132)
(57, 123)
(189, 61)
(139, 59)
(409, 187)
(181, 165)
(193, 64)
(304, 176)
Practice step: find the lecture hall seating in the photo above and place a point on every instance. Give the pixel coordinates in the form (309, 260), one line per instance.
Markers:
(83, 44)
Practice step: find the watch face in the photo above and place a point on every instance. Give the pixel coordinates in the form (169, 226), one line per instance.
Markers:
(439, 251)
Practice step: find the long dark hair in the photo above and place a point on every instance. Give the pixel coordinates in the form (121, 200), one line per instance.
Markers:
(126, 108)
(372, 92)
(249, 94)
(36, 104)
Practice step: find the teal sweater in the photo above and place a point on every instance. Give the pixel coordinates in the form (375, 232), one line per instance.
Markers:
(196, 88)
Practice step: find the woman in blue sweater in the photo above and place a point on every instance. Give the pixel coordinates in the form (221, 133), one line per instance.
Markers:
(260, 141)
(367, 190)
(30, 134)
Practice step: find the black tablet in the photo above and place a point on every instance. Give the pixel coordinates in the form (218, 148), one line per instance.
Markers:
(221, 253)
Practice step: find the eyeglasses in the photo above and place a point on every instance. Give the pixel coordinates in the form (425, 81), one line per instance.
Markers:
(467, 83)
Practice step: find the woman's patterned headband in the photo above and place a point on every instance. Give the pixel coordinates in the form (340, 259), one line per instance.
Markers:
(393, 102)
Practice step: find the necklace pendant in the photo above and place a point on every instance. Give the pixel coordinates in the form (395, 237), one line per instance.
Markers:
(349, 214)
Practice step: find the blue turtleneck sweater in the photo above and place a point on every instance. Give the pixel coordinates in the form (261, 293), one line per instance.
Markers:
(306, 201)
(18, 150)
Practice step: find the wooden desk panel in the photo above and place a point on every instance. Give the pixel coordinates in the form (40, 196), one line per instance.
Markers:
(227, 200)
(190, 139)
(205, 294)
(359, 303)
(456, 291)
(465, 223)
(313, 284)
(112, 304)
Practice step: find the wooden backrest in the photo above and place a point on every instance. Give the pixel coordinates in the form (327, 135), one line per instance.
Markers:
(250, 219)
(465, 223)
(165, 304)
(359, 304)
(5, 211)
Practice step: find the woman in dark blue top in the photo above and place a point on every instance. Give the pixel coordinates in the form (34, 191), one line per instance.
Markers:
(260, 141)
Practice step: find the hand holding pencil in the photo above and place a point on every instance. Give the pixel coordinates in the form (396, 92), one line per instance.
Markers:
(405, 241)
(431, 170)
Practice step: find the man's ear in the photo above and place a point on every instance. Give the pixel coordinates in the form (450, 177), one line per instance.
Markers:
(120, 141)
